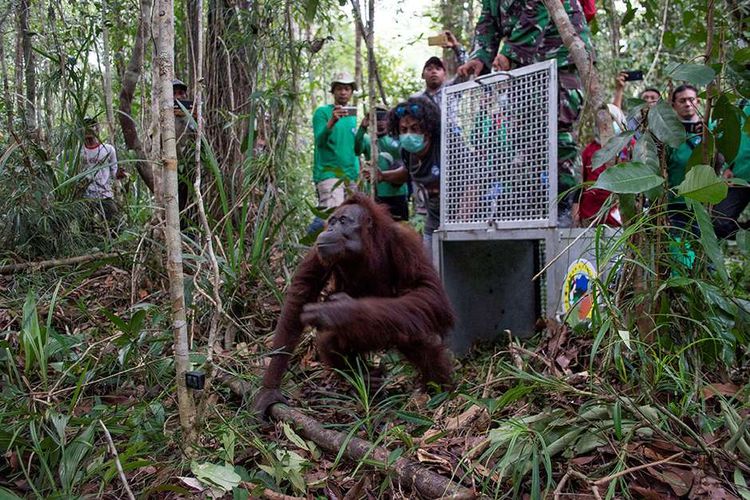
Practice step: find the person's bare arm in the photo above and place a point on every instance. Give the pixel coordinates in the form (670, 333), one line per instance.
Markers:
(619, 89)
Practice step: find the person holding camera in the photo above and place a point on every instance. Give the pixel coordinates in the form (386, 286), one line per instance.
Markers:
(389, 159)
(185, 134)
(434, 72)
(335, 165)
(685, 105)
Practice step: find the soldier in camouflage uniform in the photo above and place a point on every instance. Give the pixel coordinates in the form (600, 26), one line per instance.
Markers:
(530, 36)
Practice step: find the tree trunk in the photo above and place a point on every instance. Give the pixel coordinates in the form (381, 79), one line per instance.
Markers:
(194, 9)
(410, 474)
(107, 74)
(613, 20)
(173, 238)
(127, 91)
(6, 88)
(451, 20)
(18, 70)
(584, 62)
(29, 68)
(372, 94)
(358, 54)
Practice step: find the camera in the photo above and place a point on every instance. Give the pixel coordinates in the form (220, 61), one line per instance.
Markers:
(631, 76)
(438, 40)
(186, 103)
(693, 127)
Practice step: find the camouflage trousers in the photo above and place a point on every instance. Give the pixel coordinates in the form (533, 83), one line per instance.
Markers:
(569, 104)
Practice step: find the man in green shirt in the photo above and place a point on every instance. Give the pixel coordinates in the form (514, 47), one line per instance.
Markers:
(729, 210)
(335, 166)
(389, 158)
(684, 103)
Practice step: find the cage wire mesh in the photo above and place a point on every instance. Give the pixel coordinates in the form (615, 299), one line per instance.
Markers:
(499, 140)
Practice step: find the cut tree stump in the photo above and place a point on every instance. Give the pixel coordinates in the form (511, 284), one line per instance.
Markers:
(411, 475)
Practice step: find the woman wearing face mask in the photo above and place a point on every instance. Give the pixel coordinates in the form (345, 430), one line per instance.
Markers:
(416, 123)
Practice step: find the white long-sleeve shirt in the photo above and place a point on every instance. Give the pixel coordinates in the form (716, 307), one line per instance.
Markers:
(101, 163)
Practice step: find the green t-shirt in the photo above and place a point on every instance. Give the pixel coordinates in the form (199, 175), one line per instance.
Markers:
(741, 164)
(389, 152)
(334, 147)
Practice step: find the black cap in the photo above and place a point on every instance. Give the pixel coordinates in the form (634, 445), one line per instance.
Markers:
(179, 84)
(434, 60)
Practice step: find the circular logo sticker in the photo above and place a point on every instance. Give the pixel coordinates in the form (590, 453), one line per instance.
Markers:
(576, 290)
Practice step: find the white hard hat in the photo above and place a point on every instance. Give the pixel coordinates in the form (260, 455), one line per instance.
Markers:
(344, 78)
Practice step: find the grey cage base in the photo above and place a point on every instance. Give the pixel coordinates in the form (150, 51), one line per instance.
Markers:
(489, 278)
(498, 207)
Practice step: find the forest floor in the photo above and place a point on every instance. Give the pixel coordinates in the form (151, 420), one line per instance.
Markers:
(539, 419)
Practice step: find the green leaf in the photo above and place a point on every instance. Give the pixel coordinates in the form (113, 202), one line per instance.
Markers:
(645, 151)
(670, 40)
(742, 56)
(6, 494)
(220, 476)
(702, 184)
(739, 482)
(311, 8)
(633, 177)
(666, 126)
(293, 437)
(708, 238)
(705, 148)
(728, 127)
(414, 418)
(743, 241)
(611, 149)
(629, 15)
(697, 74)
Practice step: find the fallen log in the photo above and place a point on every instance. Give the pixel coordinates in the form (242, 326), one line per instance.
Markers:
(411, 475)
(45, 264)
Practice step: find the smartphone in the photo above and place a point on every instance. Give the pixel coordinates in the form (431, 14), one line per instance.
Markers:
(186, 103)
(350, 110)
(381, 114)
(439, 40)
(632, 76)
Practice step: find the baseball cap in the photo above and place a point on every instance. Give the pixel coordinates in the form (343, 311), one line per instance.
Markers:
(344, 78)
(179, 83)
(434, 60)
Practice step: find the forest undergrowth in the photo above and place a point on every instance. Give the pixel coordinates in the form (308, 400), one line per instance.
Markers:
(87, 354)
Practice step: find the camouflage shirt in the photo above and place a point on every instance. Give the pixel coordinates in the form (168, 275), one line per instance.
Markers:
(528, 32)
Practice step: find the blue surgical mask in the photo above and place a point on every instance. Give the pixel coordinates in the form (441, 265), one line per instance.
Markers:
(413, 143)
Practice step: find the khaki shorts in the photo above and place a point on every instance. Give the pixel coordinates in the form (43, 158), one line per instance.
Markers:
(332, 192)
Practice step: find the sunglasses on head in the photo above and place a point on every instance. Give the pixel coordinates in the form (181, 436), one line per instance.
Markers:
(409, 109)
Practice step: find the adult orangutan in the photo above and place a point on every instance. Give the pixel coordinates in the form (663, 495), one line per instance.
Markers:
(386, 294)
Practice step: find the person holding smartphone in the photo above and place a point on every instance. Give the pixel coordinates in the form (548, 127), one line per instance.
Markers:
(335, 166)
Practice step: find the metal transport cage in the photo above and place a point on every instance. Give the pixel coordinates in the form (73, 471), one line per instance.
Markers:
(498, 209)
(499, 150)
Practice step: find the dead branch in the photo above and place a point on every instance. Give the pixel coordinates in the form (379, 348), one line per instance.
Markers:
(116, 458)
(603, 481)
(410, 474)
(46, 264)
